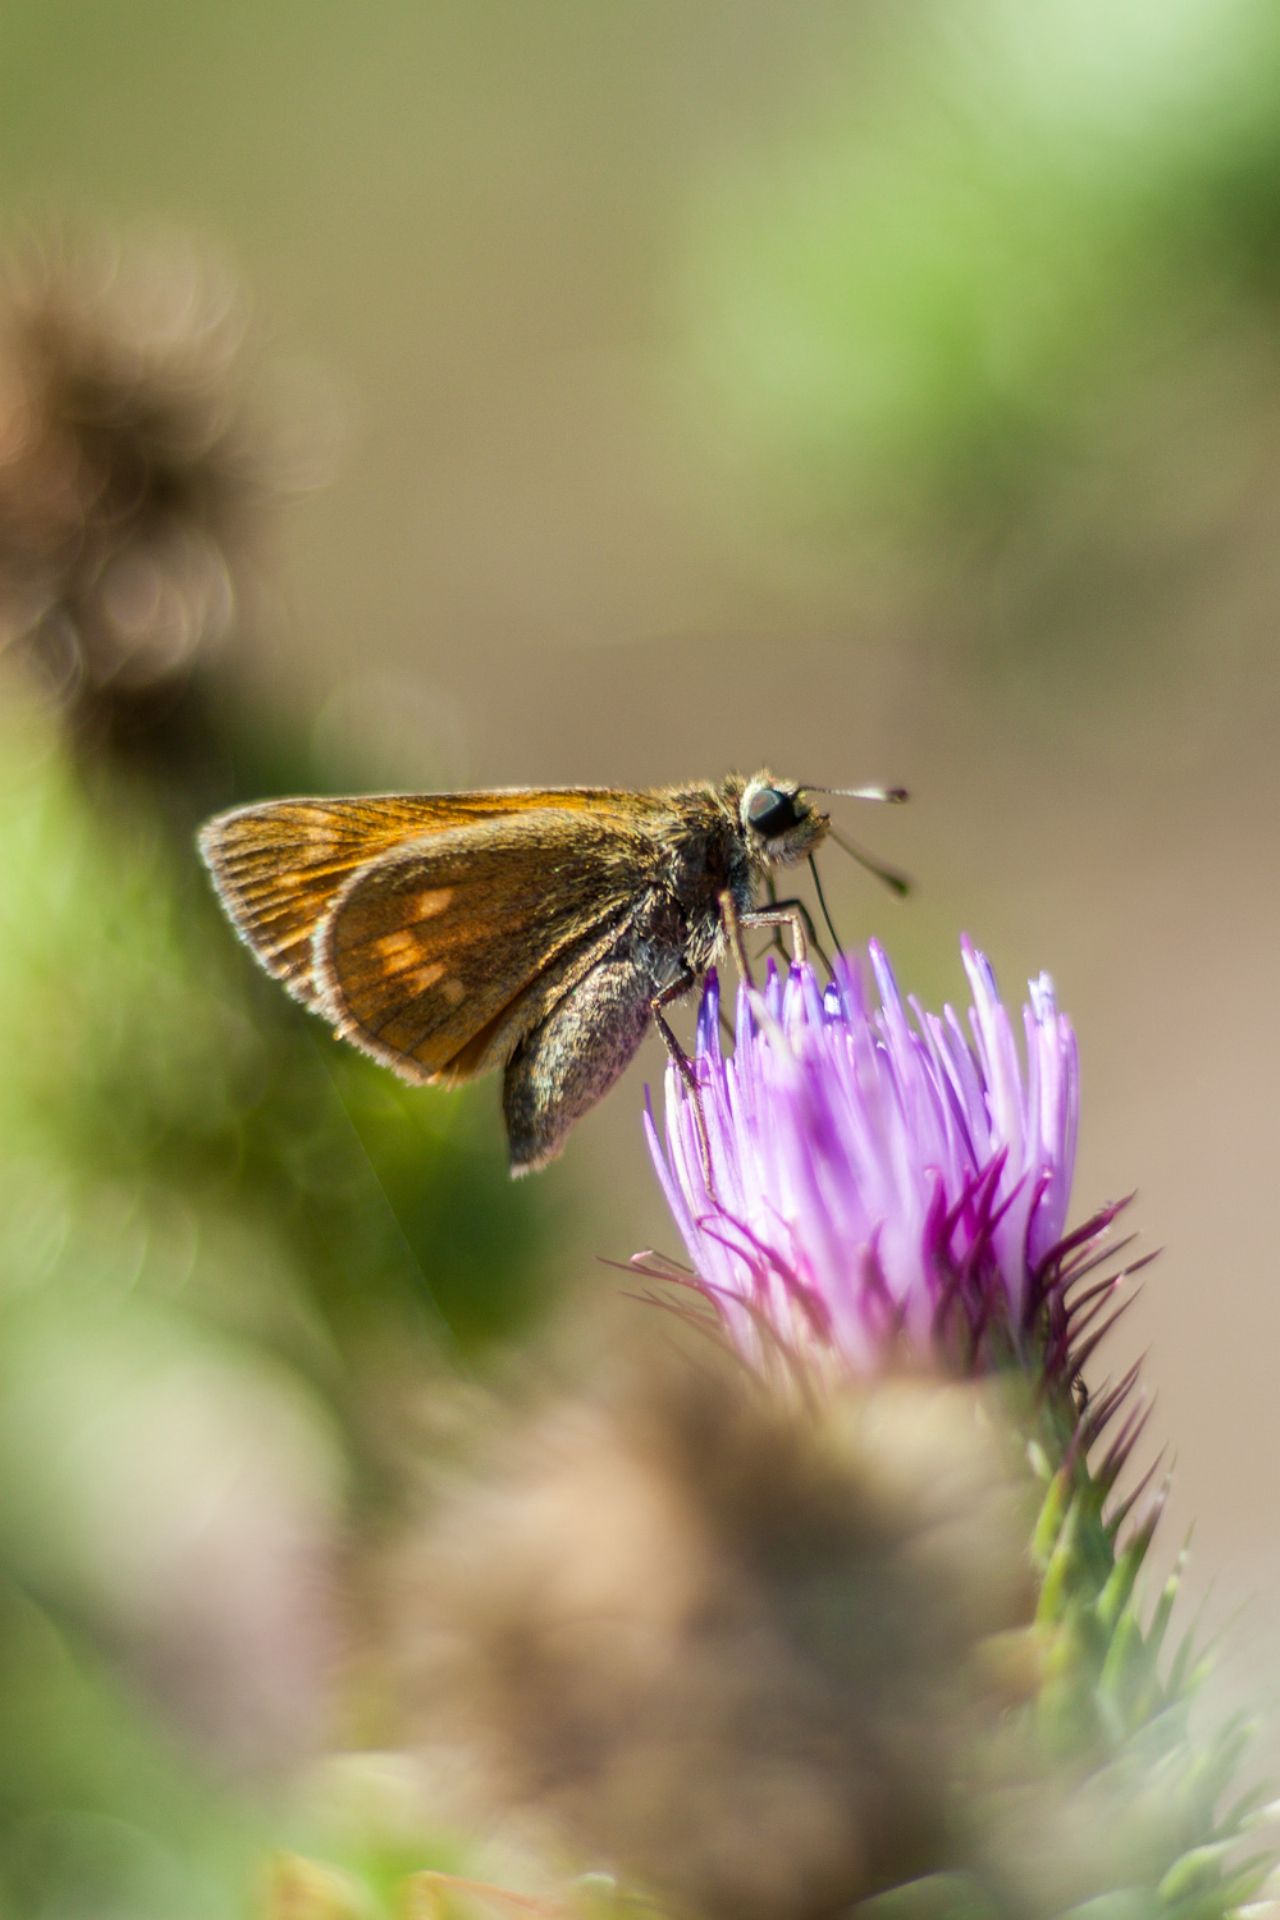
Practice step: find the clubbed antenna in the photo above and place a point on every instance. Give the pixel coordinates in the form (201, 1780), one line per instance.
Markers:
(890, 796)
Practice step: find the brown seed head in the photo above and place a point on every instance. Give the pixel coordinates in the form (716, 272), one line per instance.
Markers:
(725, 1645)
(127, 466)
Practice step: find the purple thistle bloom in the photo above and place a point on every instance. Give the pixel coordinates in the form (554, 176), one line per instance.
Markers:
(886, 1179)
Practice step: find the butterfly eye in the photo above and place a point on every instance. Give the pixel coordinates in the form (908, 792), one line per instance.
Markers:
(772, 813)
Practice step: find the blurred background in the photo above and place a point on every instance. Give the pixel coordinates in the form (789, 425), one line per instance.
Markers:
(485, 394)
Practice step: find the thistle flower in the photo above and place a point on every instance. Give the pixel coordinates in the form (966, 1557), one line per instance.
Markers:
(885, 1178)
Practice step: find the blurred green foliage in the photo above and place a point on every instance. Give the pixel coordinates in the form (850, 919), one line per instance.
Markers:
(156, 1072)
(920, 302)
(1000, 315)
(221, 1238)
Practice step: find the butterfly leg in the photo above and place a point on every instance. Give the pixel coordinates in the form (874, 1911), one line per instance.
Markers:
(688, 1073)
(791, 914)
(795, 914)
(797, 907)
(776, 944)
(780, 913)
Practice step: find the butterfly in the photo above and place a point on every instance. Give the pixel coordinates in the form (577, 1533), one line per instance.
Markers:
(535, 930)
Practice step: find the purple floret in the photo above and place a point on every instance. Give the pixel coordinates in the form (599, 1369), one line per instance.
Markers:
(886, 1179)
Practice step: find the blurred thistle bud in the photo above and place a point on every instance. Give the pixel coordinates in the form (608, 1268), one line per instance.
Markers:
(129, 468)
(295, 1888)
(725, 1644)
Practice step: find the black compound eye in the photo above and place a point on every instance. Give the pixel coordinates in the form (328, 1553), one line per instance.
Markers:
(772, 813)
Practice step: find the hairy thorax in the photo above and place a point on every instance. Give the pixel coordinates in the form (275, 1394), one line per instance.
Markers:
(705, 860)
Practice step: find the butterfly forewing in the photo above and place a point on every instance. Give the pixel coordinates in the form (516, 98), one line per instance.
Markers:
(280, 866)
(438, 958)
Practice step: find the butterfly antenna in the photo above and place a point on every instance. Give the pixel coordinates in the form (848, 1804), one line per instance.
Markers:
(887, 796)
(822, 902)
(896, 881)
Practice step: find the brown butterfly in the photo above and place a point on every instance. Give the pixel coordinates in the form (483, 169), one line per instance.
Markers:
(536, 930)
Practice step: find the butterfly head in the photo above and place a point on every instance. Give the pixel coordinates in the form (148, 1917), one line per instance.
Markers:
(779, 822)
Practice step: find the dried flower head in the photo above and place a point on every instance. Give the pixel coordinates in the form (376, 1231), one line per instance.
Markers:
(723, 1643)
(884, 1178)
(127, 465)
